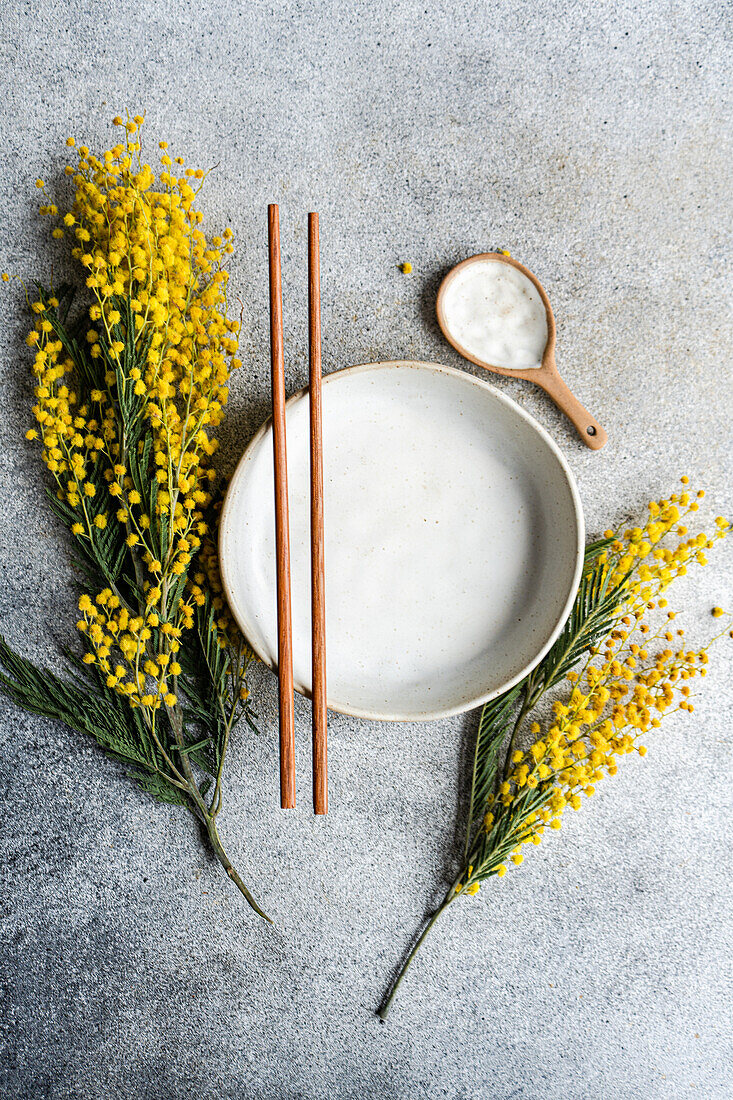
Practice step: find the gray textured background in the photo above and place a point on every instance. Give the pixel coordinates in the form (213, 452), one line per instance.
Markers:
(592, 141)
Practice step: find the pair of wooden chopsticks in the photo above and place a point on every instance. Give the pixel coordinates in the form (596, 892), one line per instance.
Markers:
(282, 530)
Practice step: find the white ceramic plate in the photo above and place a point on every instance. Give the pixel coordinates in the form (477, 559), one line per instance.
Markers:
(453, 541)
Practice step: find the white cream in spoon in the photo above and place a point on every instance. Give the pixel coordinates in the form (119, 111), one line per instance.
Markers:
(496, 314)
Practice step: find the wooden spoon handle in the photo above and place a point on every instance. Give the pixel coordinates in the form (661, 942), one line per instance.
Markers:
(589, 430)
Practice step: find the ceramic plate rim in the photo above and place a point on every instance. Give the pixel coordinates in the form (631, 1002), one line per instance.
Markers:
(517, 410)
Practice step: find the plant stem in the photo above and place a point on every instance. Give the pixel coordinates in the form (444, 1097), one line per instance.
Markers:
(524, 711)
(175, 718)
(216, 797)
(199, 809)
(226, 863)
(387, 1002)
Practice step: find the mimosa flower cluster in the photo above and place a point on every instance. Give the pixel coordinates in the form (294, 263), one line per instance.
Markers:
(637, 674)
(134, 447)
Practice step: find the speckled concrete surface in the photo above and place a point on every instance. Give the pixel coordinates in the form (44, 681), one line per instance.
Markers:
(593, 141)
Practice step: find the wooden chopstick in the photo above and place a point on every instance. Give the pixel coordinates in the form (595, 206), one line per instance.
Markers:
(282, 531)
(318, 600)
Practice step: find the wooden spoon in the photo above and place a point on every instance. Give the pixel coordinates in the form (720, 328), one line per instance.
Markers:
(546, 376)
